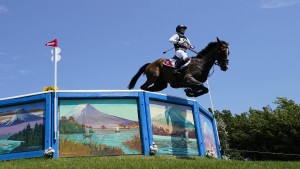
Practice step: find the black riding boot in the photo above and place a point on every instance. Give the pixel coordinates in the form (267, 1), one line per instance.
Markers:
(178, 64)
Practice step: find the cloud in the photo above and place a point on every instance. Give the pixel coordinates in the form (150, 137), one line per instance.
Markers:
(3, 9)
(23, 72)
(126, 43)
(278, 3)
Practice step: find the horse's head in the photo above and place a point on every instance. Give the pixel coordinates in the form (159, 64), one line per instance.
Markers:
(222, 54)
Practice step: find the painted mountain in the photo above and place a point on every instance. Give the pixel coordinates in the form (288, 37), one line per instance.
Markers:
(90, 116)
(18, 121)
(172, 117)
(21, 116)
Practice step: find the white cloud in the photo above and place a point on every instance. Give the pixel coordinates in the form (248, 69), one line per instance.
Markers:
(278, 3)
(3, 9)
(126, 43)
(23, 72)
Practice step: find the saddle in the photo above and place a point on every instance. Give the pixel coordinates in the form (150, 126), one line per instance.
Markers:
(172, 62)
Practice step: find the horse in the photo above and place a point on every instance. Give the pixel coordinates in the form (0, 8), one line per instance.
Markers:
(190, 77)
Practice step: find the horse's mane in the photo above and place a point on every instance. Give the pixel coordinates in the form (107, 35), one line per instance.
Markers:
(211, 45)
(208, 48)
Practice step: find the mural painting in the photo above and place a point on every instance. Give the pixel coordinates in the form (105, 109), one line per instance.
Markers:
(173, 128)
(22, 128)
(208, 135)
(95, 127)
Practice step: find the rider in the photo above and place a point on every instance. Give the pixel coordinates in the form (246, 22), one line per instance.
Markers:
(181, 44)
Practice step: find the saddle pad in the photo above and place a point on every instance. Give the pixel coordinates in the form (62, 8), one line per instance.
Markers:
(169, 62)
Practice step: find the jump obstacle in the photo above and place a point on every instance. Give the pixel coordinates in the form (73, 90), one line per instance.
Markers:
(104, 123)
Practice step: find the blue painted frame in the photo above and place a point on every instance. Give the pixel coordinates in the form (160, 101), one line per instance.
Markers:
(114, 95)
(47, 122)
(200, 141)
(212, 120)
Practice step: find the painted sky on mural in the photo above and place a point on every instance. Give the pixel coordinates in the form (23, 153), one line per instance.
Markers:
(27, 107)
(126, 108)
(104, 43)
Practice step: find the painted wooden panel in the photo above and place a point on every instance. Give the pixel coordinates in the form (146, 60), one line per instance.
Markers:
(208, 135)
(95, 127)
(173, 128)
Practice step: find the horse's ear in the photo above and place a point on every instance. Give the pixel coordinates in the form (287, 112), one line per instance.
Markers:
(218, 40)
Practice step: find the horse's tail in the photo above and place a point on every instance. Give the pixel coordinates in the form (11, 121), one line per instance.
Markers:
(136, 76)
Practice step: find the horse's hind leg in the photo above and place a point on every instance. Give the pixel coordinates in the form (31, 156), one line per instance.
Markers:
(152, 74)
(146, 85)
(159, 85)
(150, 80)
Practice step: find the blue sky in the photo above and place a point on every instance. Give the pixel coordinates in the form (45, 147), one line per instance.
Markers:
(104, 43)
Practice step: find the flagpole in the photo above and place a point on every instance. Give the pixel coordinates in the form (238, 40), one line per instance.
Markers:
(54, 43)
(55, 96)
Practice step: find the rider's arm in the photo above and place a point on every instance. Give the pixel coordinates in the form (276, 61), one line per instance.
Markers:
(174, 39)
(189, 44)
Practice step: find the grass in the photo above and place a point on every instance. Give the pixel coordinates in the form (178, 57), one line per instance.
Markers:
(144, 162)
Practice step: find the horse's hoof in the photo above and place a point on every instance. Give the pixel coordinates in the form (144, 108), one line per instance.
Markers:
(187, 90)
(190, 94)
(198, 94)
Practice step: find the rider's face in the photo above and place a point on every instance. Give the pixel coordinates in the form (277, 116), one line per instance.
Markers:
(182, 30)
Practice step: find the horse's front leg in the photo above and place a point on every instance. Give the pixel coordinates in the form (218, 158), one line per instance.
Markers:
(202, 90)
(189, 92)
(193, 86)
(195, 92)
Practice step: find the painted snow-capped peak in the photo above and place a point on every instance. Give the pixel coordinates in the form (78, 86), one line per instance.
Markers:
(20, 116)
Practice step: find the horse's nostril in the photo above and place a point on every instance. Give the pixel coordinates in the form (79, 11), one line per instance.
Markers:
(224, 68)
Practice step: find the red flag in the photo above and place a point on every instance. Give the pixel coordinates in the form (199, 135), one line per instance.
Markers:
(53, 43)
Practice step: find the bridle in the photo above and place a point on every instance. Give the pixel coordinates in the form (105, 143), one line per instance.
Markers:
(221, 51)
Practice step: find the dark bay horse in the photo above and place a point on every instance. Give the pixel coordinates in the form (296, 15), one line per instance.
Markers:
(191, 77)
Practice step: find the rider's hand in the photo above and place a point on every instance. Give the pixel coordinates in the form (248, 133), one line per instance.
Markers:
(192, 47)
(181, 43)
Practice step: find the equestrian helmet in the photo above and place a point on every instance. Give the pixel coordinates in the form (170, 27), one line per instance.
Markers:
(179, 27)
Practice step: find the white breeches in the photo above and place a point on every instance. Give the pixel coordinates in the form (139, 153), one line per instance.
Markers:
(181, 54)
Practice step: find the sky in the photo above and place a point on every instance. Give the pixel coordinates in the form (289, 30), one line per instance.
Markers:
(104, 43)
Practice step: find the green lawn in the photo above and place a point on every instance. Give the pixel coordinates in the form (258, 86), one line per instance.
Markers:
(144, 162)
